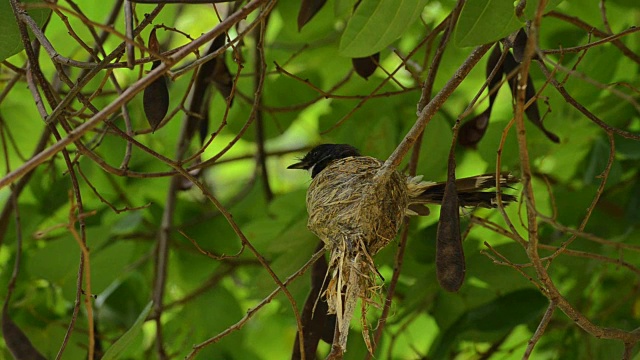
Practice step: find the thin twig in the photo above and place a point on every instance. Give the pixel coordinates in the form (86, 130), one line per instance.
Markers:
(595, 31)
(430, 110)
(251, 312)
(542, 326)
(129, 93)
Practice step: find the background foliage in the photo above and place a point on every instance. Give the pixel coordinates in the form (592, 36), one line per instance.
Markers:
(89, 235)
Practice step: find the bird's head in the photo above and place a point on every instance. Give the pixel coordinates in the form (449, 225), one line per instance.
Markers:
(322, 155)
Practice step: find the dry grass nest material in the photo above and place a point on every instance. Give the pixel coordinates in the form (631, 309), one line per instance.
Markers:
(355, 218)
(344, 203)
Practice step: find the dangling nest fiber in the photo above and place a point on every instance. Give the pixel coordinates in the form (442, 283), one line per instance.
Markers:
(355, 218)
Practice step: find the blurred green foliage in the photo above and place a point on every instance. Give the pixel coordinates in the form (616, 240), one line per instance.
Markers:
(497, 310)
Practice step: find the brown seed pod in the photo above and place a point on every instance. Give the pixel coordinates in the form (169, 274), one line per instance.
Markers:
(366, 66)
(155, 100)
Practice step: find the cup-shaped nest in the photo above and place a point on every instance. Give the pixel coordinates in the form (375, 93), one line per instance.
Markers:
(355, 216)
(345, 204)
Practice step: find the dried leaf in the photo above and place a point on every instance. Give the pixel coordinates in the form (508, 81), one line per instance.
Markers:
(366, 66)
(156, 99)
(308, 9)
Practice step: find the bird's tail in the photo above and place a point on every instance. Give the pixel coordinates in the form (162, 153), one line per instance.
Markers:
(470, 190)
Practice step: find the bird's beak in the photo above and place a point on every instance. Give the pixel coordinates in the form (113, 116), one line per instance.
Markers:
(299, 165)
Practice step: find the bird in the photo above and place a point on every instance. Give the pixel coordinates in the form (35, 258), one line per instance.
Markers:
(356, 214)
(469, 189)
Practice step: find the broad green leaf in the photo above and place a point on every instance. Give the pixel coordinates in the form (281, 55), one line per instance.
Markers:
(532, 6)
(341, 7)
(121, 345)
(628, 148)
(376, 24)
(601, 65)
(485, 21)
(52, 189)
(633, 207)
(10, 42)
(127, 222)
(503, 313)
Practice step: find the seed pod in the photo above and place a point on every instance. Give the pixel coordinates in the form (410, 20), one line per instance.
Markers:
(156, 99)
(366, 66)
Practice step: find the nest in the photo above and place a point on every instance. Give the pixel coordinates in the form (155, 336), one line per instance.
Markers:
(355, 218)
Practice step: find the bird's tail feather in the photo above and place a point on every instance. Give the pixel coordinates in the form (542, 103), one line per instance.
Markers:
(469, 190)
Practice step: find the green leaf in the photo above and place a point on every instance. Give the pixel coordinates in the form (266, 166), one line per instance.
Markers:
(121, 345)
(503, 313)
(633, 206)
(127, 222)
(376, 24)
(10, 42)
(51, 189)
(532, 7)
(628, 148)
(597, 161)
(485, 21)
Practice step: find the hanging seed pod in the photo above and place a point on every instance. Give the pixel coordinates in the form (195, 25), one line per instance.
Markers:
(308, 9)
(317, 324)
(214, 72)
(472, 131)
(532, 112)
(366, 66)
(155, 99)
